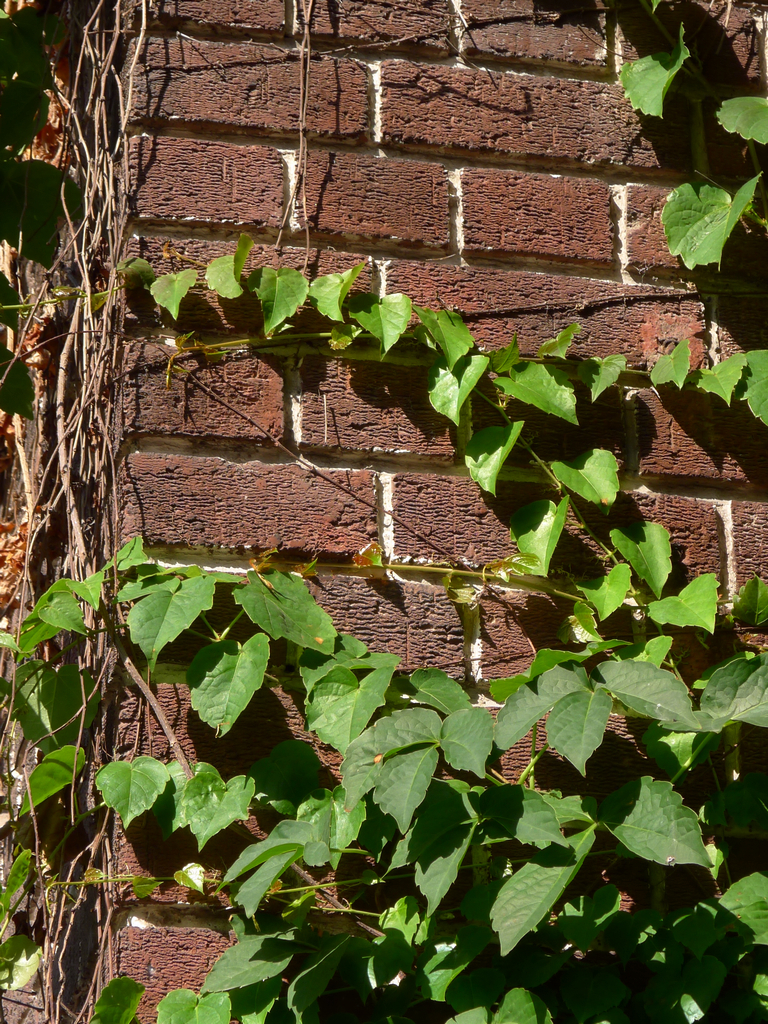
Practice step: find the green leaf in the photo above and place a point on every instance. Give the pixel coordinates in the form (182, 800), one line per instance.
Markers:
(254, 959)
(648, 816)
(192, 876)
(558, 347)
(751, 602)
(579, 627)
(449, 388)
(747, 899)
(747, 116)
(32, 227)
(160, 617)
(131, 787)
(532, 701)
(607, 593)
(466, 739)
(331, 823)
(327, 293)
(184, 1007)
(384, 318)
(698, 220)
(252, 1004)
(673, 369)
(16, 878)
(287, 777)
(19, 960)
(536, 529)
(448, 331)
(49, 705)
(647, 81)
(170, 289)
(722, 378)
(505, 357)
(648, 690)
(317, 970)
(530, 893)
(17, 392)
(55, 772)
(136, 273)
(339, 706)
(521, 1007)
(280, 604)
(600, 374)
(757, 384)
(676, 752)
(695, 605)
(545, 387)
(118, 1002)
(434, 687)
(738, 691)
(210, 805)
(519, 813)
(487, 451)
(403, 782)
(594, 475)
(281, 293)
(654, 650)
(223, 677)
(576, 724)
(583, 920)
(647, 548)
(223, 274)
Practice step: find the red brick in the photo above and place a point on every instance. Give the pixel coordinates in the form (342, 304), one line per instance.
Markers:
(211, 84)
(536, 215)
(162, 959)
(206, 312)
(265, 16)
(646, 242)
(560, 31)
(205, 181)
(186, 410)
(180, 500)
(639, 322)
(413, 620)
(513, 624)
(377, 198)
(426, 24)
(742, 323)
(697, 437)
(362, 405)
(750, 539)
(542, 117)
(726, 37)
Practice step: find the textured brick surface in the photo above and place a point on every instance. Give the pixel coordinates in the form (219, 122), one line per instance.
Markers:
(171, 499)
(639, 322)
(537, 215)
(646, 242)
(370, 406)
(209, 83)
(255, 386)
(229, 183)
(742, 323)
(750, 539)
(545, 117)
(559, 31)
(373, 21)
(368, 197)
(265, 16)
(162, 959)
(688, 434)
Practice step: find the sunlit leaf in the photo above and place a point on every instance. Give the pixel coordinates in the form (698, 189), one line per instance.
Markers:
(55, 772)
(721, 379)
(327, 293)
(281, 605)
(699, 218)
(673, 368)
(223, 273)
(536, 529)
(384, 318)
(281, 293)
(600, 374)
(19, 960)
(558, 347)
(545, 387)
(487, 451)
(747, 116)
(646, 81)
(448, 331)
(223, 677)
(594, 475)
(131, 787)
(162, 616)
(751, 603)
(182, 1006)
(576, 724)
(449, 388)
(696, 605)
(647, 548)
(169, 290)
(607, 593)
(648, 690)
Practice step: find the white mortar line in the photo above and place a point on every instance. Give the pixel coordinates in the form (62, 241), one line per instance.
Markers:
(385, 501)
(761, 23)
(713, 348)
(289, 158)
(473, 644)
(456, 211)
(458, 25)
(291, 18)
(619, 219)
(292, 402)
(724, 513)
(374, 102)
(379, 270)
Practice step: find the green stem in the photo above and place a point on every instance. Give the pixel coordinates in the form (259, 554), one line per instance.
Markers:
(532, 764)
(225, 634)
(695, 751)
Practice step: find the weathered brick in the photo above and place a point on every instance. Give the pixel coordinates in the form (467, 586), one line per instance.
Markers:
(726, 37)
(205, 311)
(696, 436)
(560, 31)
(544, 117)
(264, 16)
(361, 405)
(646, 242)
(639, 321)
(252, 385)
(231, 183)
(212, 84)
(172, 499)
(537, 215)
(414, 620)
(750, 539)
(383, 21)
(377, 198)
(513, 625)
(162, 959)
(742, 323)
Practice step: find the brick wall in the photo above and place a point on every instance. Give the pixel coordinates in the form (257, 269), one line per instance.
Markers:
(476, 154)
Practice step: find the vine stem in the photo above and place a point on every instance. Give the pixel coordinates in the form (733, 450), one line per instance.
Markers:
(532, 764)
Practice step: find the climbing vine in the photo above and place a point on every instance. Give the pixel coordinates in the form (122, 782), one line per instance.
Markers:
(433, 876)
